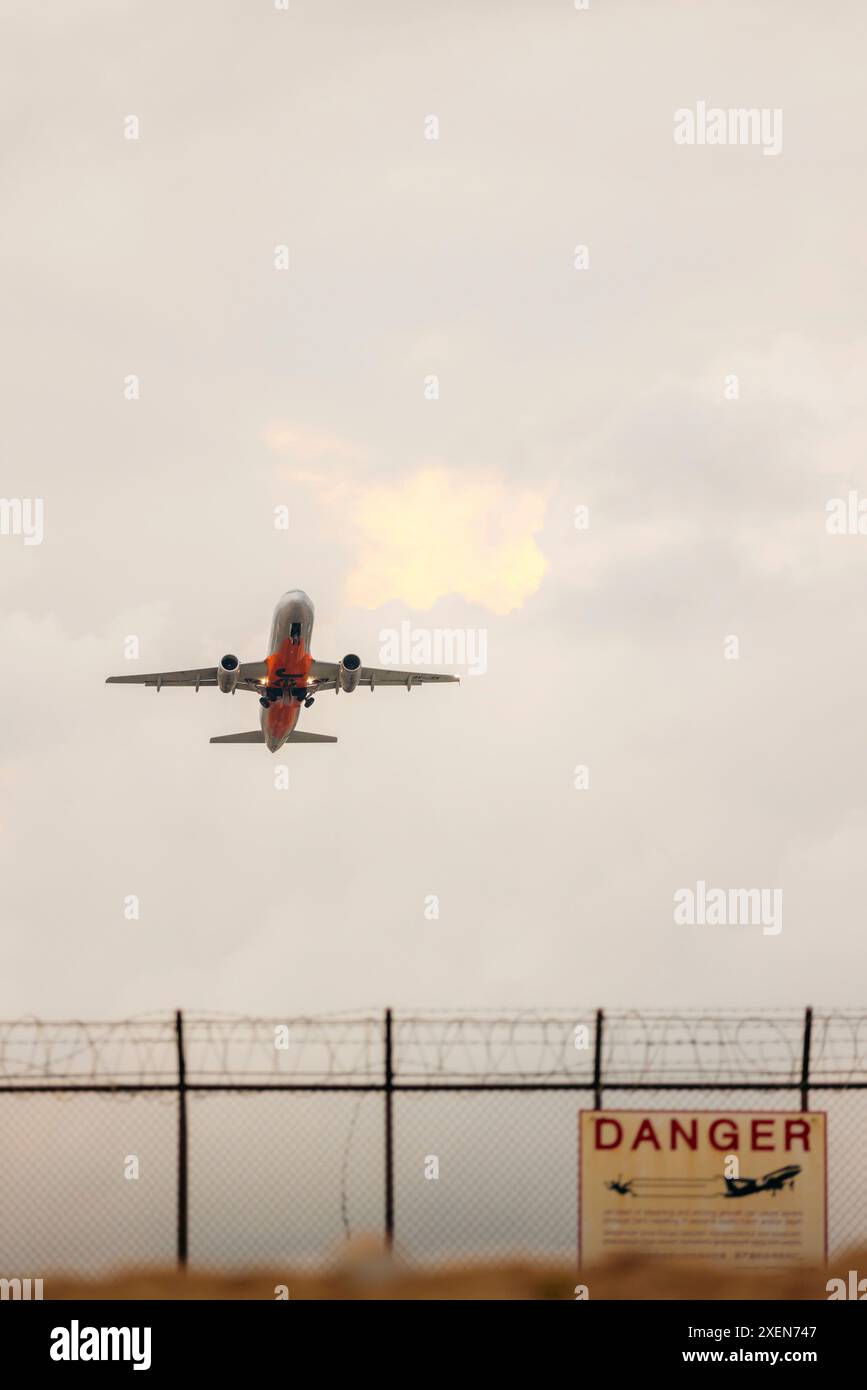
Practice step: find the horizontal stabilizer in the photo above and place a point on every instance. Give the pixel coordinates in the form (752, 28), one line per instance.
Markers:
(256, 736)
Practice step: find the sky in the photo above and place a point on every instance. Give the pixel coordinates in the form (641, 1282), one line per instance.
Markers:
(285, 301)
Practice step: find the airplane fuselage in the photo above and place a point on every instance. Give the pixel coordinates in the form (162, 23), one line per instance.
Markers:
(289, 652)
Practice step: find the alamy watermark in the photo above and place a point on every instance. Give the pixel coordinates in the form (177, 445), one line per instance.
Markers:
(734, 125)
(852, 1287)
(21, 1289)
(435, 646)
(77, 1343)
(732, 907)
(23, 516)
(846, 516)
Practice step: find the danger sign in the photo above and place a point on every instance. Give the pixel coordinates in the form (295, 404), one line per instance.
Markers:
(744, 1188)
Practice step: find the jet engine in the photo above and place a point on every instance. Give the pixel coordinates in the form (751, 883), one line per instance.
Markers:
(350, 672)
(228, 672)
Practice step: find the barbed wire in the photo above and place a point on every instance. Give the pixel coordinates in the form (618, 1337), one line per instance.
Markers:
(716, 1046)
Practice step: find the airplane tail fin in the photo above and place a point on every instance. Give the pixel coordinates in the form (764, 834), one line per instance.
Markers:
(256, 736)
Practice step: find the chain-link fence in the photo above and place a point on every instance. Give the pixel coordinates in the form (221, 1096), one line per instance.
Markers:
(235, 1142)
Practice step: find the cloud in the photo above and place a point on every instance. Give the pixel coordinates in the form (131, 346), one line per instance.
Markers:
(434, 532)
(303, 443)
(443, 532)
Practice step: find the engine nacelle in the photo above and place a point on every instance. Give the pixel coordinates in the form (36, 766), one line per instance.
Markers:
(350, 672)
(228, 672)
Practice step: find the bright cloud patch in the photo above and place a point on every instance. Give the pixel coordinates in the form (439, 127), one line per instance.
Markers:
(443, 532)
(438, 531)
(303, 443)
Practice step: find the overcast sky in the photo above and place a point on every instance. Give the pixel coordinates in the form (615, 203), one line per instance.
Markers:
(606, 387)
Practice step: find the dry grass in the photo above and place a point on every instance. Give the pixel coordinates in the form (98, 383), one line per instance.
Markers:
(366, 1273)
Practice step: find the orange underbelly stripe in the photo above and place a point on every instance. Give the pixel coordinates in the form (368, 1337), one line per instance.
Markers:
(296, 662)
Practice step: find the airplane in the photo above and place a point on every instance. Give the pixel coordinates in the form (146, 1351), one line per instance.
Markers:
(288, 678)
(618, 1185)
(771, 1182)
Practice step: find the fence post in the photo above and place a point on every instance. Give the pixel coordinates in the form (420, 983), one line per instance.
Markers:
(183, 1174)
(805, 1060)
(597, 1062)
(389, 1134)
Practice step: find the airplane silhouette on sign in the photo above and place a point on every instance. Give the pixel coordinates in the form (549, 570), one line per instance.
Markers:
(735, 1187)
(771, 1182)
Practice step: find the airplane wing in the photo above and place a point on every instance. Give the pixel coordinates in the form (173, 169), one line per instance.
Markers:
(251, 673)
(324, 673)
